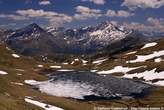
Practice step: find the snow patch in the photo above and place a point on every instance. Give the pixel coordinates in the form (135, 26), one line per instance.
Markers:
(160, 83)
(16, 83)
(15, 56)
(72, 62)
(55, 66)
(118, 69)
(3, 72)
(64, 70)
(99, 61)
(65, 63)
(84, 64)
(158, 60)
(149, 45)
(84, 61)
(93, 71)
(42, 105)
(76, 59)
(32, 82)
(19, 74)
(8, 48)
(131, 53)
(147, 75)
(40, 66)
(143, 58)
(20, 70)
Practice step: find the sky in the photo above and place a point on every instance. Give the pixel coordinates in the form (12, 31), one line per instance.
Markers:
(143, 15)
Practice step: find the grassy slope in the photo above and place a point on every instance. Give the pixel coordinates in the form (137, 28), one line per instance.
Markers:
(120, 60)
(156, 97)
(12, 96)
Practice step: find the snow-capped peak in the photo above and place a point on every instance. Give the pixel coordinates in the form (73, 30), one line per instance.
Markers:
(108, 32)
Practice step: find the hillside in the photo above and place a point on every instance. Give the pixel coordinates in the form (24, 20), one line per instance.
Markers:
(14, 89)
(139, 63)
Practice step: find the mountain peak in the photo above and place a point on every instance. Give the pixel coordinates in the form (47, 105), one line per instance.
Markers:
(107, 32)
(34, 25)
(31, 31)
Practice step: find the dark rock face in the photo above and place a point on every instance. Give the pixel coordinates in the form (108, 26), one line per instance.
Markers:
(106, 87)
(34, 41)
(4, 34)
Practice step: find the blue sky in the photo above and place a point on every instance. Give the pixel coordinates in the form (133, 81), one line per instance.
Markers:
(145, 15)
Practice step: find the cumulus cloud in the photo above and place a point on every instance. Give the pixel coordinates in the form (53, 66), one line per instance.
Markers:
(55, 19)
(120, 13)
(154, 21)
(35, 13)
(158, 24)
(133, 4)
(136, 26)
(98, 2)
(153, 25)
(13, 17)
(83, 13)
(44, 2)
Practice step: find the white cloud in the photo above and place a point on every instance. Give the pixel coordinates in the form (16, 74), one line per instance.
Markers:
(54, 19)
(84, 13)
(154, 21)
(153, 25)
(13, 17)
(133, 4)
(98, 2)
(44, 2)
(136, 26)
(120, 13)
(35, 13)
(157, 24)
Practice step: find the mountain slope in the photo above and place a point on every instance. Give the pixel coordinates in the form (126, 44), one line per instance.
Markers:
(35, 41)
(145, 63)
(13, 90)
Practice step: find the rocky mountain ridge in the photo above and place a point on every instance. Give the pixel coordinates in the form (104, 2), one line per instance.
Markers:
(33, 40)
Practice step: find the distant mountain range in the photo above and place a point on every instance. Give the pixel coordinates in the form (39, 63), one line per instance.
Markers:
(33, 40)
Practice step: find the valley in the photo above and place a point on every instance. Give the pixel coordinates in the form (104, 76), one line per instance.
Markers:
(31, 79)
